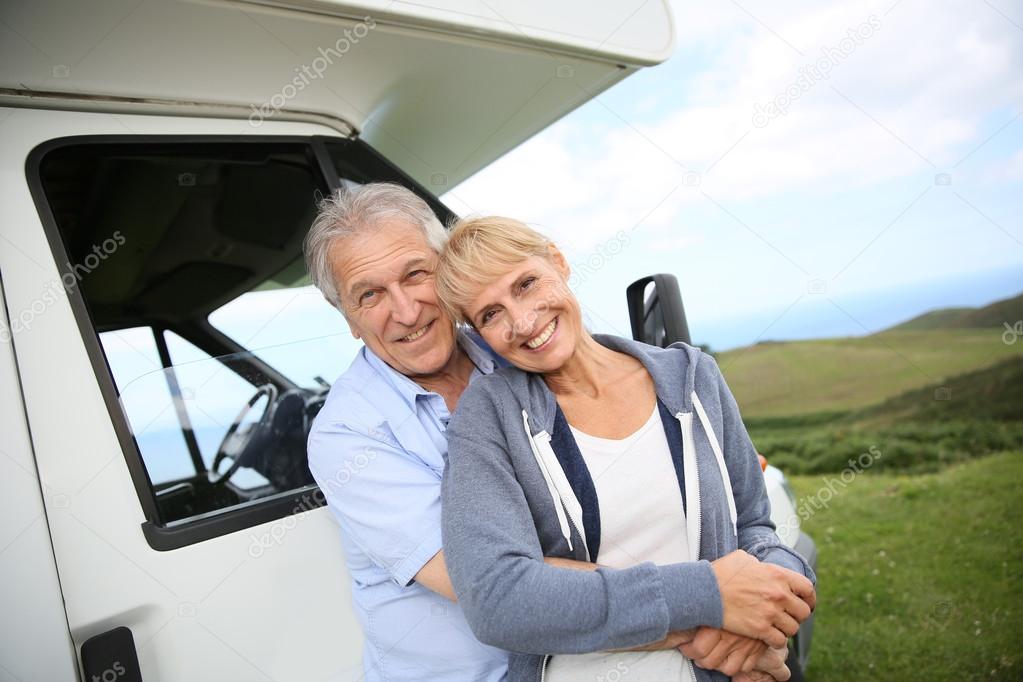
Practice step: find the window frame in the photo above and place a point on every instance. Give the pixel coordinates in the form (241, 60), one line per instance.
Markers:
(170, 535)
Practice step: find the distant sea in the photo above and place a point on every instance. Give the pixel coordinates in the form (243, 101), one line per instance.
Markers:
(815, 316)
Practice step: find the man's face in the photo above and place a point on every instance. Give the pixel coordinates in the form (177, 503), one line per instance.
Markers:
(387, 292)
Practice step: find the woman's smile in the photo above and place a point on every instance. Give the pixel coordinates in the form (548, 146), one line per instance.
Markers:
(543, 339)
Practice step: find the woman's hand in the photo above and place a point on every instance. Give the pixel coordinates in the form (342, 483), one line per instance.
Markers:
(762, 601)
(715, 649)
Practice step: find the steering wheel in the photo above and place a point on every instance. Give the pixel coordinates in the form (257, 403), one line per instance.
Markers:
(242, 446)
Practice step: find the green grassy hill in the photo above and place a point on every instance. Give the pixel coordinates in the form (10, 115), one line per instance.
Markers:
(921, 430)
(925, 397)
(993, 315)
(799, 377)
(994, 392)
(825, 375)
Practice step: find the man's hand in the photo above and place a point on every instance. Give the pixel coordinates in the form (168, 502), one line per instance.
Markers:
(727, 652)
(674, 640)
(570, 563)
(762, 601)
(770, 668)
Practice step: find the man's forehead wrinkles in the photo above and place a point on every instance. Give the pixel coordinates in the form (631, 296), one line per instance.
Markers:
(371, 270)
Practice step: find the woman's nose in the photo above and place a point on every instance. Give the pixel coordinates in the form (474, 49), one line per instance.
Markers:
(524, 318)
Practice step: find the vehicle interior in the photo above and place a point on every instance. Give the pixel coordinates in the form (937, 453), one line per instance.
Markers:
(196, 225)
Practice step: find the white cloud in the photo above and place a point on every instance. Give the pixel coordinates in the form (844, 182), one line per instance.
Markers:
(921, 90)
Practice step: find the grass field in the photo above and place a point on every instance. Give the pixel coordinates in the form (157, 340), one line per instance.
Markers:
(920, 565)
(920, 577)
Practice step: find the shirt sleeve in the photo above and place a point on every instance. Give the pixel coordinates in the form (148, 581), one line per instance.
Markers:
(386, 500)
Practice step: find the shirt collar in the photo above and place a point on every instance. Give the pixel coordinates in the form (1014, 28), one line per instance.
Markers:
(410, 390)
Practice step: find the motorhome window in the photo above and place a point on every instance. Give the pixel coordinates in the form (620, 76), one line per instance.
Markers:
(135, 363)
(158, 235)
(291, 328)
(212, 396)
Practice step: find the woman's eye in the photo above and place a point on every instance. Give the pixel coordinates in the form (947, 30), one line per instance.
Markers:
(528, 282)
(487, 316)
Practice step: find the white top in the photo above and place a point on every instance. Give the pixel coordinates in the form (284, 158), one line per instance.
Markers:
(641, 519)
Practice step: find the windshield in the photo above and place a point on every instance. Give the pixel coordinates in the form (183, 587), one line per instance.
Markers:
(295, 331)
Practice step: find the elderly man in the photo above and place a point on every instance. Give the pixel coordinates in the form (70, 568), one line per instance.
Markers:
(377, 449)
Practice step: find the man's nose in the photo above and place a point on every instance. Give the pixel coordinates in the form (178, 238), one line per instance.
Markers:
(405, 308)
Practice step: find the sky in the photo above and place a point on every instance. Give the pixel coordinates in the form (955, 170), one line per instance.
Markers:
(805, 169)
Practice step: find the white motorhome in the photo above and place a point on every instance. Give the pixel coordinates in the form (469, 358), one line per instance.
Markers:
(160, 166)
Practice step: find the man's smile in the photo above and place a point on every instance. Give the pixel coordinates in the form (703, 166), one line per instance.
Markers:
(417, 334)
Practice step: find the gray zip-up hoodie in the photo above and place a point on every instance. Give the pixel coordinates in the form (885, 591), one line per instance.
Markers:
(516, 490)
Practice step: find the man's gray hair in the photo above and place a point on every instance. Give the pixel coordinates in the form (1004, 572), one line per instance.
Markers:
(353, 210)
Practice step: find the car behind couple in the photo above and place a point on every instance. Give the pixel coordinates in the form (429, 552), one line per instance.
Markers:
(593, 509)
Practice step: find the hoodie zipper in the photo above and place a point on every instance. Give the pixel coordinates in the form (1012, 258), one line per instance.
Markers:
(691, 476)
(726, 480)
(559, 505)
(543, 666)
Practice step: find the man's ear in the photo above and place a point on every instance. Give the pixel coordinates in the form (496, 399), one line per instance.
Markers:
(559, 260)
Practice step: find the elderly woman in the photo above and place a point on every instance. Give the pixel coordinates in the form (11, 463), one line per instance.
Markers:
(609, 451)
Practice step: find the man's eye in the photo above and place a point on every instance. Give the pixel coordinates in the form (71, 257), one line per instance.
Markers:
(367, 298)
(417, 275)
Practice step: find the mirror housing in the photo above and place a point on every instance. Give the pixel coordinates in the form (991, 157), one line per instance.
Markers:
(658, 318)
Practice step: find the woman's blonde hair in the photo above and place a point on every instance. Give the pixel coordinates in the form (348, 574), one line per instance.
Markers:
(477, 251)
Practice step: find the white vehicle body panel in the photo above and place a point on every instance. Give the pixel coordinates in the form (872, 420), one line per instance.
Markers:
(441, 89)
(215, 610)
(35, 643)
(783, 512)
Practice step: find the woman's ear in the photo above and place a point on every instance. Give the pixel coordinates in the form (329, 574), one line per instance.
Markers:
(558, 258)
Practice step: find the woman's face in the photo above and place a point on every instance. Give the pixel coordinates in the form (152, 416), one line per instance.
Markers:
(528, 315)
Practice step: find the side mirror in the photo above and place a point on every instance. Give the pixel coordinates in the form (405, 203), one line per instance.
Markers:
(656, 312)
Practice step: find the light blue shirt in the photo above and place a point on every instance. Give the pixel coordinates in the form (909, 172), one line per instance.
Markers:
(377, 450)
